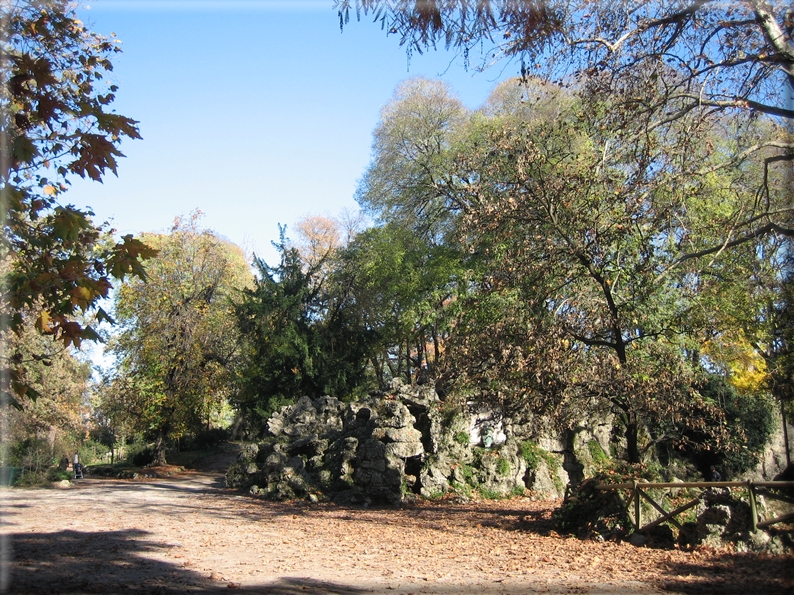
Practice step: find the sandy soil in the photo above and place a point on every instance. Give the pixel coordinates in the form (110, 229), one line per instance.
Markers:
(188, 534)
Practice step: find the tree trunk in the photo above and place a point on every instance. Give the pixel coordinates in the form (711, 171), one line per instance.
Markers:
(785, 431)
(408, 370)
(632, 447)
(159, 447)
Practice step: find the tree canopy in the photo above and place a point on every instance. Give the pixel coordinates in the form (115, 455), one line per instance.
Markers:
(178, 344)
(657, 62)
(590, 275)
(57, 123)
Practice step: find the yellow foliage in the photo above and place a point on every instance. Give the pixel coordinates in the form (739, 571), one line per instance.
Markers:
(746, 368)
(749, 377)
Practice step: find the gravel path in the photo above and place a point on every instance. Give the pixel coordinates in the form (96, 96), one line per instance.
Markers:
(188, 534)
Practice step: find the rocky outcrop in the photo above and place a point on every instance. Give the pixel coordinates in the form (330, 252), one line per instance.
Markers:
(724, 517)
(383, 448)
(321, 448)
(773, 460)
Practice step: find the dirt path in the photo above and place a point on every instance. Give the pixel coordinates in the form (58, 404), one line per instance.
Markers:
(187, 534)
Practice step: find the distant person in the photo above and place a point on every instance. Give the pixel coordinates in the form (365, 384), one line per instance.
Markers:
(63, 464)
(715, 475)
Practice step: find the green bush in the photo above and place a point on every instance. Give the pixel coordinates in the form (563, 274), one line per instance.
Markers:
(462, 489)
(32, 454)
(532, 454)
(450, 411)
(468, 474)
(587, 511)
(134, 448)
(206, 439)
(748, 422)
(92, 452)
(55, 474)
(30, 479)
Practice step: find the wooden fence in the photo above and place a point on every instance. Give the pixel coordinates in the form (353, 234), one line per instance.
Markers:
(754, 489)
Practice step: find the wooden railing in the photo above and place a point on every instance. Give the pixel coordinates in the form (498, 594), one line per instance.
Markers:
(754, 489)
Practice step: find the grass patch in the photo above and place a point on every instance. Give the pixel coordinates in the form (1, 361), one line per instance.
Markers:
(462, 438)
(435, 495)
(487, 494)
(503, 467)
(462, 489)
(468, 474)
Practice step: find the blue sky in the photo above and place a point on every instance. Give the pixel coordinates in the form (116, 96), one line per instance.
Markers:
(255, 112)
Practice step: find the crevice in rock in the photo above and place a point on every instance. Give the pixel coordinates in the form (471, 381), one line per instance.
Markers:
(413, 468)
(424, 425)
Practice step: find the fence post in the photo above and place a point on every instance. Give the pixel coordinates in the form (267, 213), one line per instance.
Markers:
(637, 522)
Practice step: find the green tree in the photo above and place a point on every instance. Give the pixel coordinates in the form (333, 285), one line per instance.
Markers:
(406, 293)
(56, 123)
(56, 418)
(408, 177)
(178, 342)
(655, 62)
(301, 335)
(586, 289)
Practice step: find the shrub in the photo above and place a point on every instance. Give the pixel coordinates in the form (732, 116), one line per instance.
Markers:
(748, 421)
(55, 474)
(32, 454)
(133, 449)
(32, 479)
(143, 457)
(449, 412)
(532, 454)
(92, 452)
(206, 439)
(468, 474)
(462, 489)
(586, 510)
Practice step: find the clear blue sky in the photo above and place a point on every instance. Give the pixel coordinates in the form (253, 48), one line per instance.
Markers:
(255, 112)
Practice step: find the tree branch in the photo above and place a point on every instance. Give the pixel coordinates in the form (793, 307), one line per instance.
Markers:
(760, 232)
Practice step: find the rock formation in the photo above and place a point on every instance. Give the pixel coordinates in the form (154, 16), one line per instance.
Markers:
(383, 448)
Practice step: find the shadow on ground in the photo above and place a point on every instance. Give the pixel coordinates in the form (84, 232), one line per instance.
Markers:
(72, 562)
(95, 562)
(742, 574)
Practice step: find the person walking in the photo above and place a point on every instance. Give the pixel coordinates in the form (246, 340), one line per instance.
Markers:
(78, 468)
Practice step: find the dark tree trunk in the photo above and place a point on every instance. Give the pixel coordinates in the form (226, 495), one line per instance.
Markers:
(632, 447)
